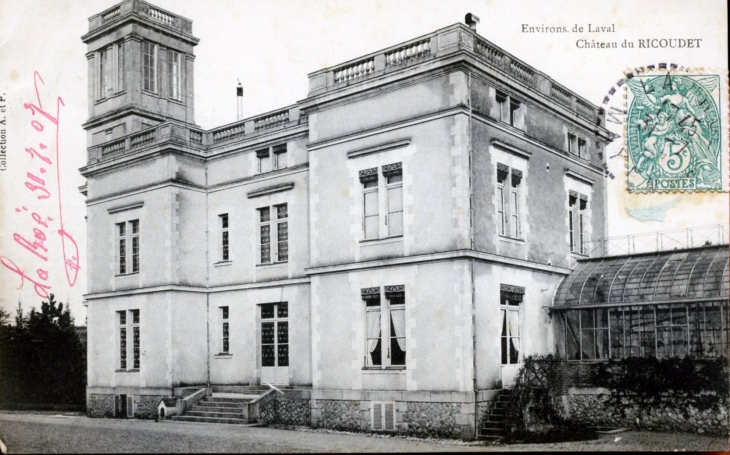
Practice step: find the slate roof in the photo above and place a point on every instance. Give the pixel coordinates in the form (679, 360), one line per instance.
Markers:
(665, 276)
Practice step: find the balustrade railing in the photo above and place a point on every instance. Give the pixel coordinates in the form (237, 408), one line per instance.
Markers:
(110, 15)
(584, 109)
(160, 16)
(490, 53)
(408, 53)
(196, 137)
(355, 71)
(113, 148)
(561, 95)
(270, 121)
(228, 132)
(142, 139)
(522, 72)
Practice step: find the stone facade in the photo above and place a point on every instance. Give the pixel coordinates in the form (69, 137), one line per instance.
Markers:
(100, 405)
(343, 415)
(286, 410)
(672, 414)
(145, 406)
(432, 419)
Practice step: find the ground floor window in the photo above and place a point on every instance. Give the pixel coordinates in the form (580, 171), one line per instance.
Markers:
(697, 329)
(510, 299)
(385, 343)
(275, 335)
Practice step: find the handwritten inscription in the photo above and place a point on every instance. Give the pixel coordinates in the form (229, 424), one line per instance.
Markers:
(41, 198)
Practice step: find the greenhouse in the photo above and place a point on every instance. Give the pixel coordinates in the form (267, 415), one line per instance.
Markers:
(662, 304)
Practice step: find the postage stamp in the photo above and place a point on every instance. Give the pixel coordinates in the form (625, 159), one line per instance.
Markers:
(676, 132)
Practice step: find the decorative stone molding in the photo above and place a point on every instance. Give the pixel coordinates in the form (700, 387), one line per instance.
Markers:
(392, 169)
(124, 208)
(370, 293)
(369, 175)
(513, 150)
(270, 190)
(378, 148)
(512, 289)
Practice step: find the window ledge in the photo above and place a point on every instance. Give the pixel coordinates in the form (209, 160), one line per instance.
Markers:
(135, 370)
(578, 255)
(223, 356)
(176, 101)
(389, 370)
(391, 239)
(504, 238)
(222, 263)
(119, 275)
(273, 264)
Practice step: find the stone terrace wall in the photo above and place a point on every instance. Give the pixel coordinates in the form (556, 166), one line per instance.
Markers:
(442, 414)
(145, 406)
(291, 408)
(596, 406)
(100, 405)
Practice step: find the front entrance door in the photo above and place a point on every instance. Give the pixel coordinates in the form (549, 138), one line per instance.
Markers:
(275, 343)
(511, 352)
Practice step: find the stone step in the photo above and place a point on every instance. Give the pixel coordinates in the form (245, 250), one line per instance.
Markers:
(186, 418)
(222, 415)
(241, 401)
(497, 412)
(493, 424)
(491, 432)
(197, 408)
(219, 404)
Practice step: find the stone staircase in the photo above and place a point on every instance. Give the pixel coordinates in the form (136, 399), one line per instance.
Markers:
(223, 407)
(494, 427)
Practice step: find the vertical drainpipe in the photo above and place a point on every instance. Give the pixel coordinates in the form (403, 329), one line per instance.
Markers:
(207, 282)
(471, 244)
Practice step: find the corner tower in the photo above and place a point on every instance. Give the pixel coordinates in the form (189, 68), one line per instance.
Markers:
(140, 70)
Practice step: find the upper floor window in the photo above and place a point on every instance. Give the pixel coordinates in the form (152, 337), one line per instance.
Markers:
(369, 180)
(508, 109)
(508, 201)
(276, 245)
(577, 146)
(224, 236)
(385, 343)
(271, 158)
(128, 243)
(393, 174)
(149, 66)
(392, 204)
(111, 70)
(174, 71)
(577, 214)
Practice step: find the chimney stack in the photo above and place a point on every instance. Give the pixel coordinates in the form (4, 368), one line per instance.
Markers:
(472, 21)
(239, 96)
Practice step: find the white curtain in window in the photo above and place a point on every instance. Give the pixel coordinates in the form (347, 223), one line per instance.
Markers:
(373, 320)
(398, 317)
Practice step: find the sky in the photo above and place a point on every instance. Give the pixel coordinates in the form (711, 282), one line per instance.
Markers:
(271, 46)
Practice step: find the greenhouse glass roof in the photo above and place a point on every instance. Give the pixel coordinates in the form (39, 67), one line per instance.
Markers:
(661, 277)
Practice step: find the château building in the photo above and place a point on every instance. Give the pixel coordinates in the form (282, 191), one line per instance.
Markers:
(384, 250)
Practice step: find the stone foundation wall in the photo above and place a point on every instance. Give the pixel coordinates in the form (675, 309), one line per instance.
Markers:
(672, 414)
(100, 405)
(432, 419)
(343, 415)
(145, 406)
(289, 410)
(442, 414)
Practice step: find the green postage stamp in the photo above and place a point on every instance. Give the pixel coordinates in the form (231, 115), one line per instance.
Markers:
(676, 136)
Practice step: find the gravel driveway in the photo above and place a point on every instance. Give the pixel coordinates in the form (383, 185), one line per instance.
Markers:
(24, 433)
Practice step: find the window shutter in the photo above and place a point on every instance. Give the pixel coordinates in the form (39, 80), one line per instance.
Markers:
(377, 416)
(130, 406)
(389, 416)
(117, 406)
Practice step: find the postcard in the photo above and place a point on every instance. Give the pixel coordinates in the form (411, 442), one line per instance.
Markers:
(339, 200)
